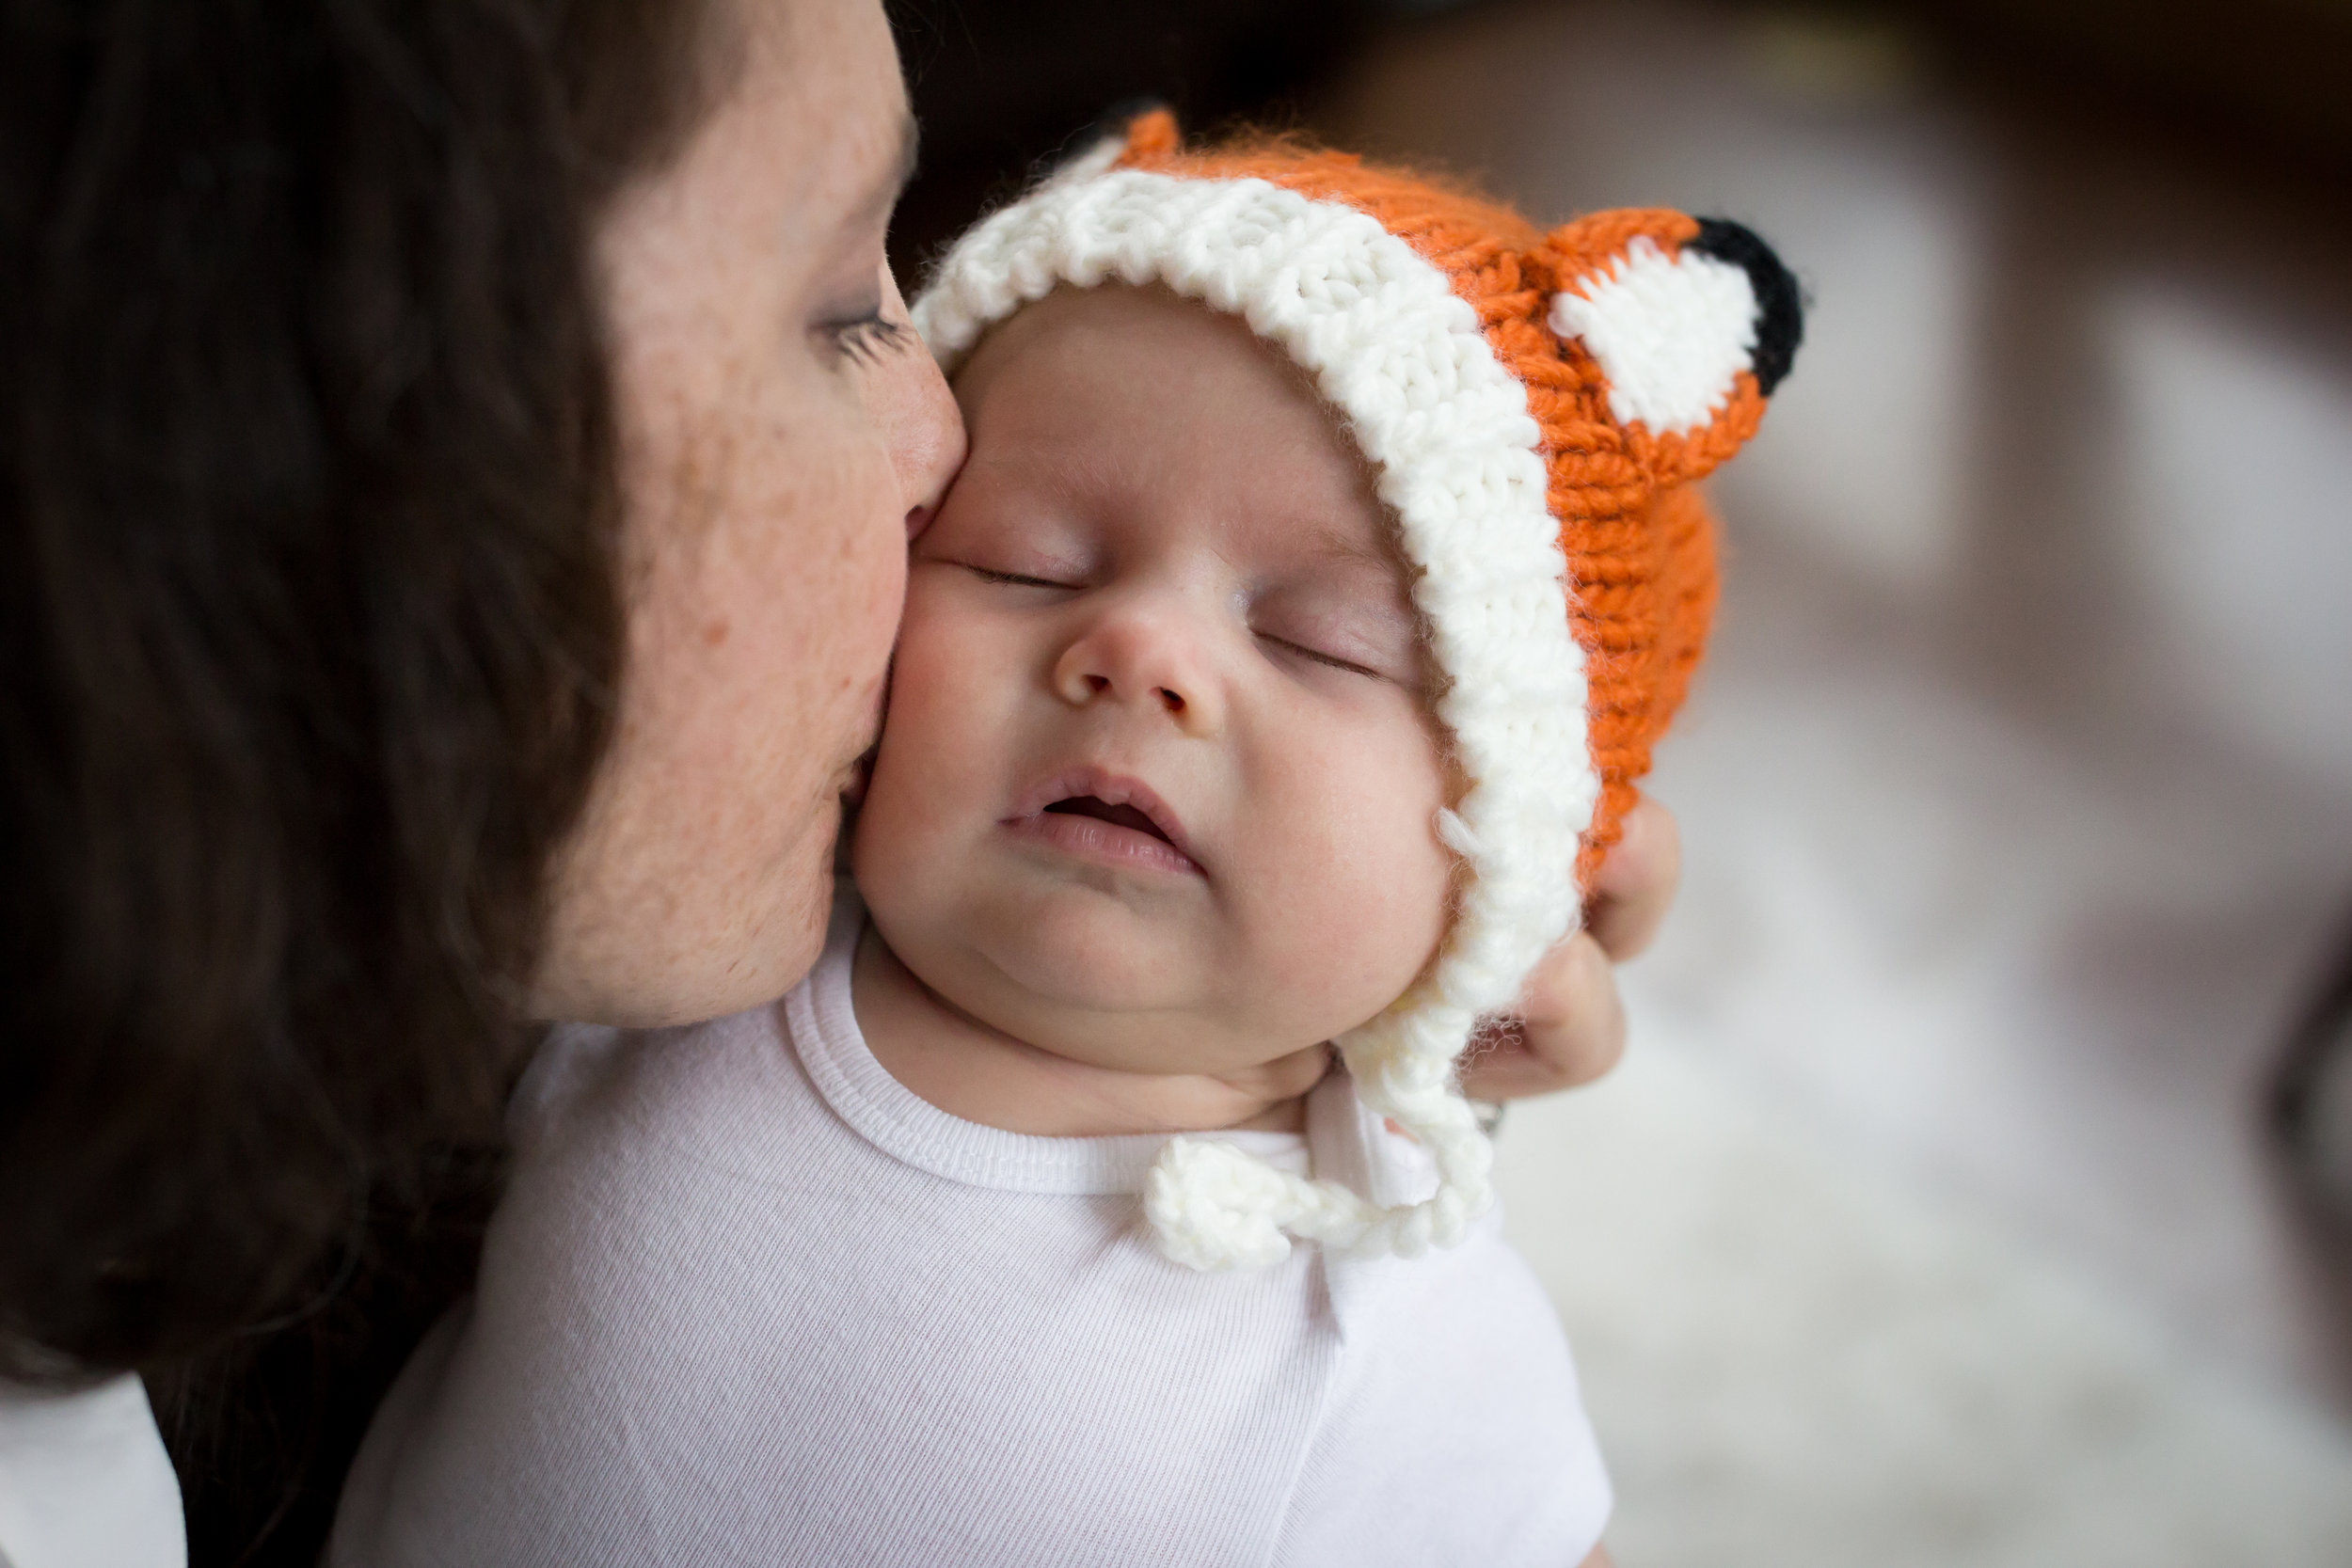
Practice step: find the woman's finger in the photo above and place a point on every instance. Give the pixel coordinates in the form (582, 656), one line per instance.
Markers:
(1636, 884)
(1571, 1029)
(1571, 1024)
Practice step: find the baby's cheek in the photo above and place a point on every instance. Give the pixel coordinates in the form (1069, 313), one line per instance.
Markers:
(1364, 882)
(921, 744)
(945, 677)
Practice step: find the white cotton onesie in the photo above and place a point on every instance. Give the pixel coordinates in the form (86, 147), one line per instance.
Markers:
(750, 1301)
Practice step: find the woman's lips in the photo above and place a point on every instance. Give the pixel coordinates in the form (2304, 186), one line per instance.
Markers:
(1106, 818)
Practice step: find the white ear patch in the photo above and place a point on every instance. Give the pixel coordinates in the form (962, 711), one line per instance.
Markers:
(1100, 155)
(1669, 333)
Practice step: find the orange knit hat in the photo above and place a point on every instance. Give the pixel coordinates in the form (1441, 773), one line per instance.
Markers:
(1538, 405)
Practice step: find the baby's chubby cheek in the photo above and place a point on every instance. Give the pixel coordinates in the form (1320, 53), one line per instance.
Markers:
(1355, 890)
(933, 777)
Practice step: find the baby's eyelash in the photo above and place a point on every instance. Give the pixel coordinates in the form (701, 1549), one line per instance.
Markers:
(864, 340)
(1335, 662)
(1014, 578)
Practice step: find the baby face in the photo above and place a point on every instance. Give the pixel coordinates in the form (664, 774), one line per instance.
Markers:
(1158, 782)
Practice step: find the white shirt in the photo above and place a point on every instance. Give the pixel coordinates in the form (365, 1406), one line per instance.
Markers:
(749, 1300)
(85, 1481)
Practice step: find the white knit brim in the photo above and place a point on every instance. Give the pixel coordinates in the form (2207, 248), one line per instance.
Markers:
(1402, 358)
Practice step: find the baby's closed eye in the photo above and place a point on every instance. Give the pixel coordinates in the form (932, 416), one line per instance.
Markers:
(1018, 579)
(1369, 639)
(1317, 656)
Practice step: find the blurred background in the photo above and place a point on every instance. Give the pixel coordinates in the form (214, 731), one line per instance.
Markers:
(1979, 1188)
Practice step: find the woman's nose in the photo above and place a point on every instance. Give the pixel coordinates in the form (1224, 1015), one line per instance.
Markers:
(920, 423)
(1147, 661)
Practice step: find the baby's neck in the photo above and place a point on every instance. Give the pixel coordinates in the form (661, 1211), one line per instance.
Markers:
(982, 1075)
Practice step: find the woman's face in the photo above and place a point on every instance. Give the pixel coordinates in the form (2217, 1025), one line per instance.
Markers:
(781, 433)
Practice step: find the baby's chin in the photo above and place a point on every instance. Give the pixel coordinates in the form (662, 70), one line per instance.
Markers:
(1150, 984)
(1096, 1032)
(1034, 974)
(1047, 973)
(1123, 1011)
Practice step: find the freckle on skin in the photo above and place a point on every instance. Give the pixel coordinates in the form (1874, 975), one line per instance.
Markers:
(715, 633)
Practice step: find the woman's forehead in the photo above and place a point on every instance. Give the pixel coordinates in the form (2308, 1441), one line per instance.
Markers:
(813, 112)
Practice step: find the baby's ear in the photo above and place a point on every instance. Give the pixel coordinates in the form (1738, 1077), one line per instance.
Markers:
(1691, 323)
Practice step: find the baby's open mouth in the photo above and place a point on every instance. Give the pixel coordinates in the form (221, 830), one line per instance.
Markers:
(1106, 817)
(1124, 816)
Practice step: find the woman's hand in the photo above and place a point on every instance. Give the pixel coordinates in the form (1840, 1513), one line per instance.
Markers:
(1571, 1025)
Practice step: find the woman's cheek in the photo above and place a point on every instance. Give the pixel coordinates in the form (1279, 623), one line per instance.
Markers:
(843, 585)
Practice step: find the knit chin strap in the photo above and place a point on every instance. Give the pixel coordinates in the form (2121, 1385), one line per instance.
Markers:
(1213, 1207)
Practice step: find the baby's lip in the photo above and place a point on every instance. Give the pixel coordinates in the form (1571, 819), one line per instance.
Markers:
(1112, 789)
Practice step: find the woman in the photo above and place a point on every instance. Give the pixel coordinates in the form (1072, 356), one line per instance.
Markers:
(458, 462)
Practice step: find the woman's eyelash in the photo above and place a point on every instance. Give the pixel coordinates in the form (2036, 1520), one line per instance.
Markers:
(864, 340)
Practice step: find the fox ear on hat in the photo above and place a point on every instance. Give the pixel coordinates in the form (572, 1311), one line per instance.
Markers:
(1690, 323)
(1140, 128)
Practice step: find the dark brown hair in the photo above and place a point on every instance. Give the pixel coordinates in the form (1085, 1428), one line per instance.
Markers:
(308, 637)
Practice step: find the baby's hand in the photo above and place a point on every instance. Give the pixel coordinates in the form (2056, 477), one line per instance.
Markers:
(1571, 1026)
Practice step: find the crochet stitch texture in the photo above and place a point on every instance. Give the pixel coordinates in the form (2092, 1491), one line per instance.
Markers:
(1537, 407)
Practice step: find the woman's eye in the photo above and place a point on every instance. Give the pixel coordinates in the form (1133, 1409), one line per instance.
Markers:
(863, 340)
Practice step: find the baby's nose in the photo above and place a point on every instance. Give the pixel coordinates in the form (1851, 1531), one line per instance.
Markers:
(1169, 697)
(1145, 662)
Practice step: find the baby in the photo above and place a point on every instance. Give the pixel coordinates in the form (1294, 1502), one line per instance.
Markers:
(1323, 568)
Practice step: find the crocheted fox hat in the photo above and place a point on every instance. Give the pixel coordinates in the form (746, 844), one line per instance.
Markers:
(1536, 405)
